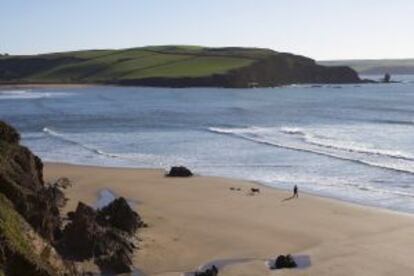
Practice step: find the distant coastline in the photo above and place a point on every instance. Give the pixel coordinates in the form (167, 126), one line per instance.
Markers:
(376, 66)
(172, 66)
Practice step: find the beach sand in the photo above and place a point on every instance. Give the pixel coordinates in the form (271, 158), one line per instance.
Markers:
(193, 221)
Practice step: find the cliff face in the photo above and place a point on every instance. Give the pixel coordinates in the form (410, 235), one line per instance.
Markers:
(21, 181)
(29, 218)
(32, 239)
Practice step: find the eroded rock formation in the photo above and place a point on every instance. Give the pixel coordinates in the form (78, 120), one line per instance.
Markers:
(33, 240)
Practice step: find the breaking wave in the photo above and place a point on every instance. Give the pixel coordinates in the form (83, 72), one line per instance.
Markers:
(145, 159)
(300, 140)
(29, 95)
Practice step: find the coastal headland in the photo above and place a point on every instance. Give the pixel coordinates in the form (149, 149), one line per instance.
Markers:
(172, 66)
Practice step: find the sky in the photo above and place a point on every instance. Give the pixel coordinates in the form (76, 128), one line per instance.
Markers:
(320, 29)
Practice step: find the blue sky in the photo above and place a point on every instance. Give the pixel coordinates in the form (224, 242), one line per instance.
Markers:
(321, 29)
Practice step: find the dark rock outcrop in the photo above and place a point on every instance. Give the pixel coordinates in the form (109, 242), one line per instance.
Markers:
(104, 235)
(387, 78)
(213, 271)
(284, 261)
(118, 214)
(179, 172)
(81, 234)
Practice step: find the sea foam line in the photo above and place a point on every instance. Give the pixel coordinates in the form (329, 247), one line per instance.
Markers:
(29, 95)
(87, 147)
(241, 133)
(323, 142)
(138, 158)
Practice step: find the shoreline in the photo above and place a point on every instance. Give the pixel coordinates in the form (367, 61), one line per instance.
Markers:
(82, 85)
(45, 85)
(256, 183)
(203, 220)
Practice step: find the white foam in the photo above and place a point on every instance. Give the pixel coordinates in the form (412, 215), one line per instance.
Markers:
(345, 150)
(350, 146)
(292, 130)
(29, 94)
(102, 149)
(135, 159)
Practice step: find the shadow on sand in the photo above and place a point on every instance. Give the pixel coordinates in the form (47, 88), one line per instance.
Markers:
(288, 198)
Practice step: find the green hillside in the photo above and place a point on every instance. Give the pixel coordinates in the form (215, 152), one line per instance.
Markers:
(163, 61)
(167, 65)
(376, 66)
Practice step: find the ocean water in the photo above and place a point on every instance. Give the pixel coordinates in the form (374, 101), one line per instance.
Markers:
(349, 142)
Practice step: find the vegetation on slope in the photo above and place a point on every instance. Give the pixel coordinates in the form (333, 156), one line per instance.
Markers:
(109, 65)
(168, 65)
(33, 239)
(18, 254)
(27, 219)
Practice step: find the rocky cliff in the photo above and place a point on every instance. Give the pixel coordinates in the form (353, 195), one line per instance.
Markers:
(32, 238)
(29, 217)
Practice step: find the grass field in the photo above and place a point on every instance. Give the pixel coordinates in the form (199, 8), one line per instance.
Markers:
(171, 66)
(127, 64)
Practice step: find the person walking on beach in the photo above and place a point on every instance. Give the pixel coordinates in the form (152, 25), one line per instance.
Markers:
(295, 192)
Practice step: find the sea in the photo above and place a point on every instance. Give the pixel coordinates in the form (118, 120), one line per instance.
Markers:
(349, 142)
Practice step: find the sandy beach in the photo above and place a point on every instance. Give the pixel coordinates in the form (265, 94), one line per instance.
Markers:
(193, 221)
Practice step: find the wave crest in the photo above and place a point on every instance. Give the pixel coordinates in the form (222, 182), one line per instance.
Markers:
(151, 160)
(299, 139)
(349, 146)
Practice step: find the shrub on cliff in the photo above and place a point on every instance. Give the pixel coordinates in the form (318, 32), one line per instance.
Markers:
(8, 134)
